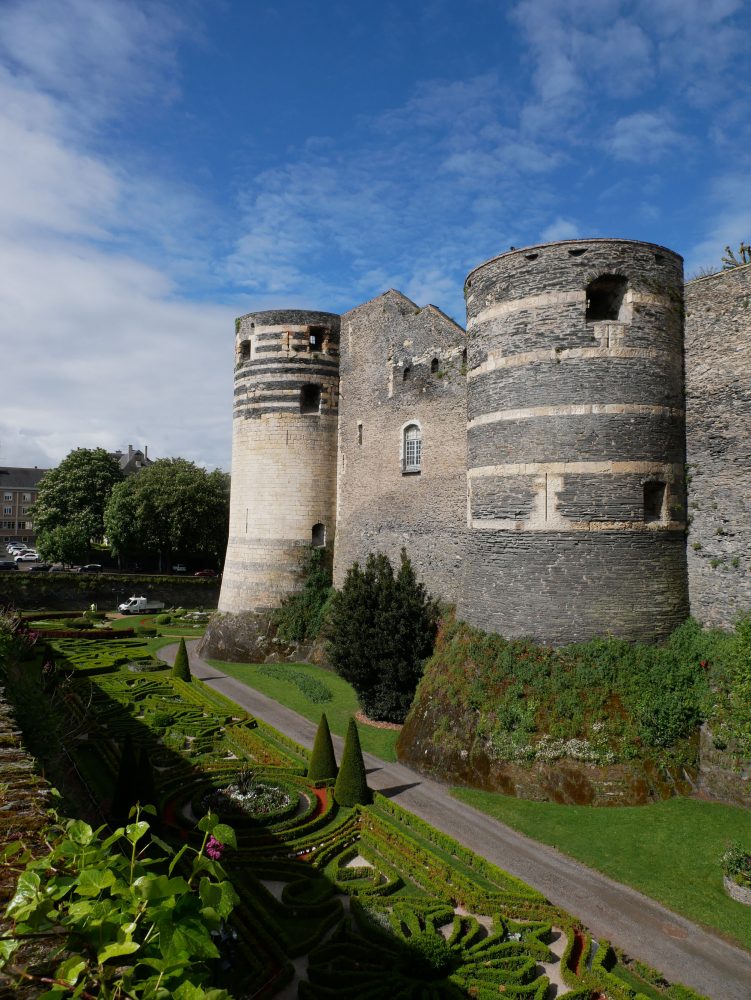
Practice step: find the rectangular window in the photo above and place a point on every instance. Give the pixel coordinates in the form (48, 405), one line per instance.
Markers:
(7, 496)
(359, 433)
(7, 510)
(27, 497)
(654, 501)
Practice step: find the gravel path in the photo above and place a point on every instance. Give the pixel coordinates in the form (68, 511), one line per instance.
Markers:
(643, 928)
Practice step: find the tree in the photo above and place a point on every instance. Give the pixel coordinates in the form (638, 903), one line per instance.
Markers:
(171, 508)
(322, 765)
(69, 509)
(730, 260)
(382, 628)
(181, 667)
(351, 788)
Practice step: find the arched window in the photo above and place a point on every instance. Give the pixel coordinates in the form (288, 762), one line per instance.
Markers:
(245, 350)
(412, 449)
(605, 297)
(318, 535)
(434, 366)
(310, 399)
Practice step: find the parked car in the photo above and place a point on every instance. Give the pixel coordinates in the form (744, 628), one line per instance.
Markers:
(7, 564)
(27, 557)
(89, 568)
(41, 568)
(58, 569)
(205, 572)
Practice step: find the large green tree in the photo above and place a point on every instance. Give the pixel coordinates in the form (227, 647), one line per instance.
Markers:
(382, 628)
(172, 509)
(69, 510)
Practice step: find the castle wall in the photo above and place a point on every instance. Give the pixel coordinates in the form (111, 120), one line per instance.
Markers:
(575, 443)
(283, 453)
(402, 366)
(718, 432)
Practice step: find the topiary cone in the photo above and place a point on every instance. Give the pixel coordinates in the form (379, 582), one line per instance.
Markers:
(181, 668)
(351, 786)
(322, 766)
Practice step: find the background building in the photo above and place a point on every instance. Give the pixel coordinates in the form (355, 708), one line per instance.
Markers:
(18, 489)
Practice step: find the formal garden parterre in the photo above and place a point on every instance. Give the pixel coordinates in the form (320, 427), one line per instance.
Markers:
(333, 900)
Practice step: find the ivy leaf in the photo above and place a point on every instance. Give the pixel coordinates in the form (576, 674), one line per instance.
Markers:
(134, 831)
(80, 832)
(26, 895)
(92, 881)
(208, 823)
(116, 950)
(191, 938)
(160, 886)
(176, 858)
(7, 947)
(220, 896)
(70, 969)
(225, 835)
(188, 991)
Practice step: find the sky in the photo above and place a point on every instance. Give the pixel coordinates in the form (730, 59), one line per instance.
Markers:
(168, 166)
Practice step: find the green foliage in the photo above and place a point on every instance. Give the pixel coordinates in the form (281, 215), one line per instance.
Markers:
(163, 619)
(382, 628)
(322, 766)
(730, 704)
(69, 510)
(124, 922)
(181, 666)
(312, 688)
(600, 701)
(125, 793)
(736, 864)
(171, 507)
(301, 616)
(351, 786)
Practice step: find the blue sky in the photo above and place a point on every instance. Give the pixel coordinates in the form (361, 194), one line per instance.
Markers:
(168, 166)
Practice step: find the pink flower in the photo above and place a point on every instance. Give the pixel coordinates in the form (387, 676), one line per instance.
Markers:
(214, 849)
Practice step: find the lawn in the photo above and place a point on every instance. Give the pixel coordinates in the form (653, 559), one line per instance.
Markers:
(669, 851)
(342, 705)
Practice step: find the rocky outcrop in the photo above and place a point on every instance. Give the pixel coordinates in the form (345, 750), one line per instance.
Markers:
(249, 637)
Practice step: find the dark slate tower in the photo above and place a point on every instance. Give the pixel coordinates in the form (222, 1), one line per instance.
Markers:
(576, 442)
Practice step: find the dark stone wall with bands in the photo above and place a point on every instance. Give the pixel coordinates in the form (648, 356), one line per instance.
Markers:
(563, 587)
(597, 387)
(718, 431)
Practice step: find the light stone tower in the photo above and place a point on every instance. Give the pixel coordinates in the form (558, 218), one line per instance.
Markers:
(576, 443)
(283, 496)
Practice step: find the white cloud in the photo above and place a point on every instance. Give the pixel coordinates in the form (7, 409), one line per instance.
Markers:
(729, 214)
(560, 229)
(643, 137)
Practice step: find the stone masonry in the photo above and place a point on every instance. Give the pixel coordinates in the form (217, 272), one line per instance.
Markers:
(532, 468)
(718, 436)
(402, 367)
(575, 443)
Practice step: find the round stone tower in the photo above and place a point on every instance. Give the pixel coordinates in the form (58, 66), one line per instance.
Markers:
(283, 496)
(576, 442)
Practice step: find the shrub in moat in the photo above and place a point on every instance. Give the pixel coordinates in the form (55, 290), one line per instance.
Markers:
(322, 766)
(382, 628)
(181, 667)
(351, 788)
(302, 615)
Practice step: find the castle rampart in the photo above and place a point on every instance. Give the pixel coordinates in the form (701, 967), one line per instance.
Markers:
(283, 453)
(575, 442)
(718, 435)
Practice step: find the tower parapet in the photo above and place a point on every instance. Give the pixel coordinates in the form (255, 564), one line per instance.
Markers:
(576, 442)
(284, 441)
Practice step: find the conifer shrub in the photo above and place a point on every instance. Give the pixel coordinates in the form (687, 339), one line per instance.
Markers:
(351, 788)
(181, 668)
(382, 628)
(322, 766)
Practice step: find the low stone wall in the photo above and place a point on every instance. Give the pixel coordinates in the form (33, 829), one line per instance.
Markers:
(737, 892)
(76, 591)
(723, 774)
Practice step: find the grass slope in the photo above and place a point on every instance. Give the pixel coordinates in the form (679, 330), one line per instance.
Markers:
(342, 706)
(669, 851)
